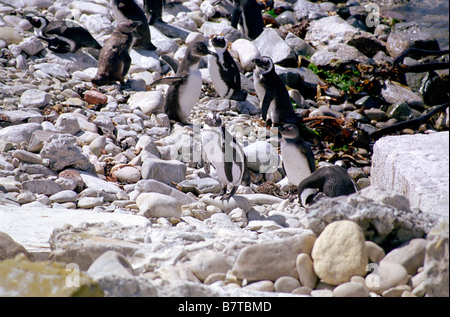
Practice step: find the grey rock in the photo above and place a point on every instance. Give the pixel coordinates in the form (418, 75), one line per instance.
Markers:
(164, 171)
(337, 54)
(38, 139)
(308, 10)
(279, 51)
(62, 152)
(411, 255)
(158, 205)
(31, 46)
(35, 98)
(53, 70)
(36, 169)
(151, 185)
(382, 223)
(394, 94)
(72, 62)
(210, 28)
(436, 261)
(299, 46)
(409, 35)
(423, 179)
(64, 196)
(351, 289)
(67, 123)
(201, 186)
(26, 156)
(286, 284)
(17, 134)
(42, 186)
(10, 248)
(262, 157)
(280, 255)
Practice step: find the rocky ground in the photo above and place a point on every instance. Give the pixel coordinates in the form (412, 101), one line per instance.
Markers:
(66, 146)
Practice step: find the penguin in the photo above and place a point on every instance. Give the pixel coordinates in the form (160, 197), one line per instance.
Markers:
(154, 8)
(225, 154)
(276, 106)
(247, 13)
(332, 181)
(62, 36)
(185, 88)
(129, 10)
(224, 71)
(298, 158)
(114, 61)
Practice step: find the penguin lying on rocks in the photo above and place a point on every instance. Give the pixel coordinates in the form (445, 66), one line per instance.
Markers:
(224, 71)
(225, 154)
(186, 85)
(332, 181)
(62, 36)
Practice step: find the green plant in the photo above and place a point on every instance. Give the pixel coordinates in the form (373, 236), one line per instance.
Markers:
(347, 82)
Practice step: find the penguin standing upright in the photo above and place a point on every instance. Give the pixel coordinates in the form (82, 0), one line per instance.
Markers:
(298, 159)
(62, 36)
(247, 13)
(114, 61)
(185, 88)
(224, 71)
(333, 181)
(154, 8)
(129, 10)
(225, 154)
(276, 106)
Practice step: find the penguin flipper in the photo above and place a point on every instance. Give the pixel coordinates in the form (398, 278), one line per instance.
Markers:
(268, 97)
(171, 62)
(167, 81)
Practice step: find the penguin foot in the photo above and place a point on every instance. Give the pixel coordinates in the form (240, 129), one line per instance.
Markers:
(227, 196)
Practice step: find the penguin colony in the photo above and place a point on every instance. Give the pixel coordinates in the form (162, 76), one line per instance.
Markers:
(220, 148)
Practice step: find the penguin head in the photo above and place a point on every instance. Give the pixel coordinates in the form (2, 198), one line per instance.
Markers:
(213, 119)
(289, 131)
(219, 41)
(199, 49)
(128, 26)
(38, 22)
(264, 63)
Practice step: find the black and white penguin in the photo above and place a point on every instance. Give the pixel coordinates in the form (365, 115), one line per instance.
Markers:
(332, 181)
(62, 36)
(185, 87)
(114, 61)
(298, 158)
(224, 71)
(247, 13)
(129, 10)
(276, 106)
(225, 154)
(154, 8)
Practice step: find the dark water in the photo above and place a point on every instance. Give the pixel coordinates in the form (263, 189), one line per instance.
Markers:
(432, 16)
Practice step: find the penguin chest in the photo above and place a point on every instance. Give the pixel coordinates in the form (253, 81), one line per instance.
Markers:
(214, 67)
(189, 93)
(259, 86)
(295, 163)
(227, 160)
